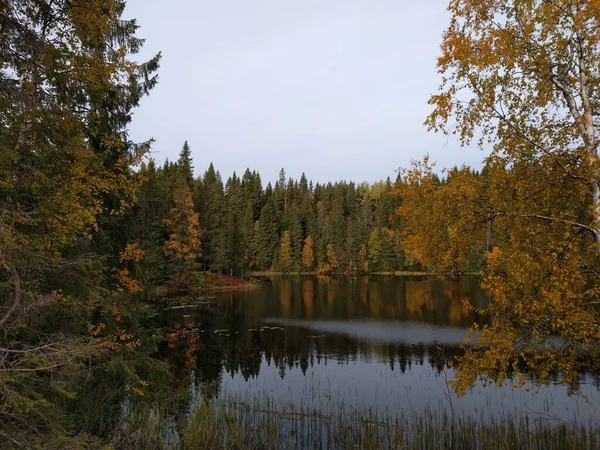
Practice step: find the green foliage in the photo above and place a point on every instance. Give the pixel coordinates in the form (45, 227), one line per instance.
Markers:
(184, 164)
(244, 223)
(374, 248)
(68, 89)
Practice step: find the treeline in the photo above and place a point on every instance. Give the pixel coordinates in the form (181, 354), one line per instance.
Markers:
(186, 224)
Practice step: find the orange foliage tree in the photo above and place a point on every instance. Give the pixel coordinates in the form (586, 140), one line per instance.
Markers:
(331, 257)
(184, 245)
(285, 252)
(308, 256)
(444, 222)
(523, 76)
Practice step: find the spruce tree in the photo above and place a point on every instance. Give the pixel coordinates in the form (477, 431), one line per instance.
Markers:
(210, 202)
(185, 165)
(268, 230)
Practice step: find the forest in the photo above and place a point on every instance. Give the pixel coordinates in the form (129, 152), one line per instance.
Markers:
(91, 226)
(239, 226)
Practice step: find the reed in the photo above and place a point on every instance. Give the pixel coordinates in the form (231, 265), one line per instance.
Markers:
(250, 424)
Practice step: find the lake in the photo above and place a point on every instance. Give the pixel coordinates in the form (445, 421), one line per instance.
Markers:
(378, 344)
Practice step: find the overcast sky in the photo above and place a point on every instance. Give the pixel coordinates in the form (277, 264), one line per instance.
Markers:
(337, 89)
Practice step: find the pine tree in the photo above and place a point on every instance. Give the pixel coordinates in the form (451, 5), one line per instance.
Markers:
(231, 236)
(281, 190)
(320, 236)
(268, 232)
(151, 209)
(252, 197)
(209, 203)
(185, 165)
(297, 236)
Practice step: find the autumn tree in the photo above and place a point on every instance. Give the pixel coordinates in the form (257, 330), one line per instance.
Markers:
(308, 256)
(285, 252)
(68, 89)
(332, 261)
(444, 219)
(523, 76)
(184, 244)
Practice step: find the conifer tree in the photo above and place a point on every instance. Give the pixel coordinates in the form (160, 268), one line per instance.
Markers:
(281, 190)
(231, 246)
(252, 197)
(68, 87)
(297, 237)
(185, 165)
(268, 230)
(210, 203)
(320, 237)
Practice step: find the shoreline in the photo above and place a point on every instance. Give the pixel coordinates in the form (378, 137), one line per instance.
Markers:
(238, 287)
(398, 273)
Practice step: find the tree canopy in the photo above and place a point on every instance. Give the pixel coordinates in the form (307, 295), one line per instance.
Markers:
(522, 78)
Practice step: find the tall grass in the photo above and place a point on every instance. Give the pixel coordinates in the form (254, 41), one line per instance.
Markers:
(254, 424)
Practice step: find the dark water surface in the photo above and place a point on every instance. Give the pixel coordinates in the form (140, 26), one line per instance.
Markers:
(364, 343)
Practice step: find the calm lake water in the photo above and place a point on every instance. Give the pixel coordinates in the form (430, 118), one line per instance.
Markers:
(349, 343)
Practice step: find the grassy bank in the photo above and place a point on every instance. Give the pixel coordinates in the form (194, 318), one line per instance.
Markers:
(250, 425)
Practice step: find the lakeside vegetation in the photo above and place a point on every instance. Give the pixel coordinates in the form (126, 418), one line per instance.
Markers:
(89, 226)
(255, 424)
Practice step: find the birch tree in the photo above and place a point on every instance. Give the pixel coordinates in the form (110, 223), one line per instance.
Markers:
(522, 77)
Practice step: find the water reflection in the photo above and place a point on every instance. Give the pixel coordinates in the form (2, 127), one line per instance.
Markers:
(348, 342)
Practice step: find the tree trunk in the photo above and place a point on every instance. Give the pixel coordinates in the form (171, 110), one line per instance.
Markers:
(488, 233)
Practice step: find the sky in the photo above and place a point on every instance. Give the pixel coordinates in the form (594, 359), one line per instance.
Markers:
(336, 89)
